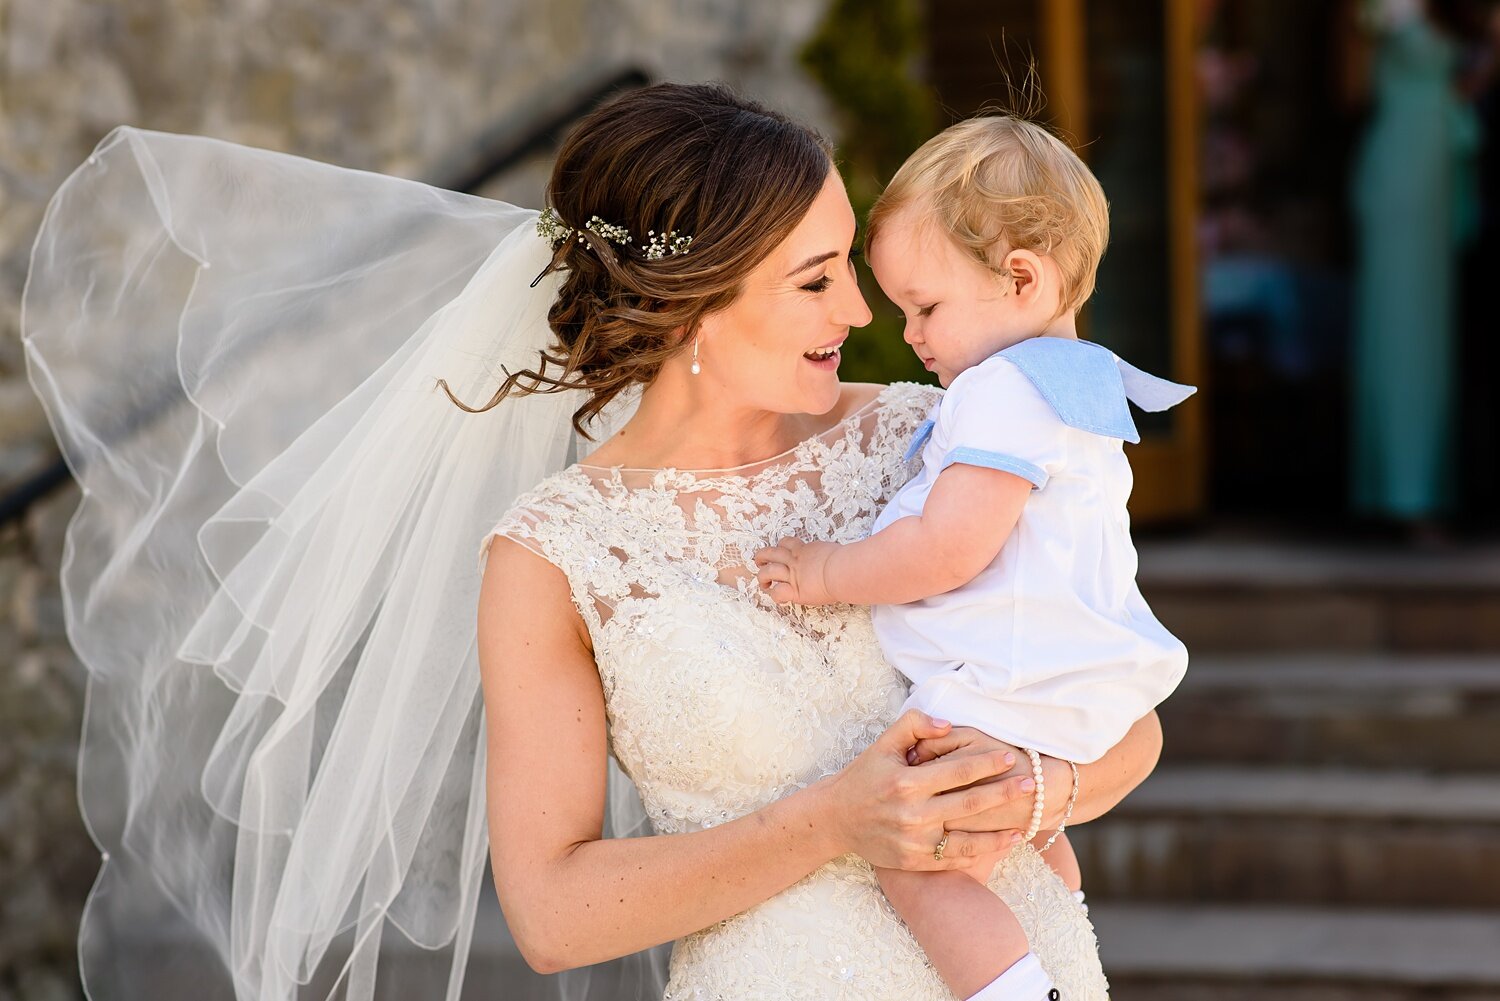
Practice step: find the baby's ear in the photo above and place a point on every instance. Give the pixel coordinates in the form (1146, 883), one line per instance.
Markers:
(1022, 272)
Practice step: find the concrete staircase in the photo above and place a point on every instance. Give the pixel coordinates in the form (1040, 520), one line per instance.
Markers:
(1325, 820)
(1324, 824)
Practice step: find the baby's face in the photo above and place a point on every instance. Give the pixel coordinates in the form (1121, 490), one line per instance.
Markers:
(957, 311)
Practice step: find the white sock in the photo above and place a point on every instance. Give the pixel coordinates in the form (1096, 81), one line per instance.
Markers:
(1024, 981)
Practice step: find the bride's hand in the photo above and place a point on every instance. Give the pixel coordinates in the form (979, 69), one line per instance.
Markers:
(895, 814)
(1012, 814)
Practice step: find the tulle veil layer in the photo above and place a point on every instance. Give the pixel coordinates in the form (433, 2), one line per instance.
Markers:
(272, 575)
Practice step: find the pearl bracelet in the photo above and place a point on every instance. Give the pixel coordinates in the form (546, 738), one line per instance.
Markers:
(1041, 787)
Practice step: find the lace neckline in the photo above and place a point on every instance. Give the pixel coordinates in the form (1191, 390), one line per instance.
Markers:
(842, 426)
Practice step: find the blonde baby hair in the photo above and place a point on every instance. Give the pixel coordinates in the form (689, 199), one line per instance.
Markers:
(998, 183)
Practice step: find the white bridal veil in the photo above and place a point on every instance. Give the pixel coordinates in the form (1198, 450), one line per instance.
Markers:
(272, 577)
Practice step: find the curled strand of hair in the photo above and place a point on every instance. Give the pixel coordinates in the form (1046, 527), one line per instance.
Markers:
(1026, 100)
(541, 382)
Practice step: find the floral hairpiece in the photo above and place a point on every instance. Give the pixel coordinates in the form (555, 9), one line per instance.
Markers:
(669, 244)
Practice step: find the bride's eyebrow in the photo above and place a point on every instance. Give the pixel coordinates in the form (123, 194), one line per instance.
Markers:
(811, 262)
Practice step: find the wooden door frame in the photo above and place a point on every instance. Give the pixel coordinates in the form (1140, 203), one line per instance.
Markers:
(1170, 470)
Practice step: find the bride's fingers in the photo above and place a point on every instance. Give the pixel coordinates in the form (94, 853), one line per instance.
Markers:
(957, 771)
(977, 799)
(964, 847)
(935, 747)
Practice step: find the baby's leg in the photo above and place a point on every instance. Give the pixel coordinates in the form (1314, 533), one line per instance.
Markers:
(968, 933)
(1062, 859)
(985, 864)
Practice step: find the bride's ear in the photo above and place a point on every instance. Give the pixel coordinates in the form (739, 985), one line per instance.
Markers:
(704, 334)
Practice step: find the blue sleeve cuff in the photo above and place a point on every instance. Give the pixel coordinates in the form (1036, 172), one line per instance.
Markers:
(996, 460)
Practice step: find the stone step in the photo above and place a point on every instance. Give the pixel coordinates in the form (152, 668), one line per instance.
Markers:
(1298, 836)
(1259, 595)
(1246, 953)
(1161, 952)
(169, 961)
(1439, 712)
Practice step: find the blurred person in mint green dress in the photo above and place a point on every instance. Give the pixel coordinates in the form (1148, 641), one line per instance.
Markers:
(1414, 206)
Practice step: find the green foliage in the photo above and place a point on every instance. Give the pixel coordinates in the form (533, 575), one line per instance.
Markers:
(863, 54)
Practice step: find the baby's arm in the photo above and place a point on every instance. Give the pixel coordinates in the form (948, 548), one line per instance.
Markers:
(967, 517)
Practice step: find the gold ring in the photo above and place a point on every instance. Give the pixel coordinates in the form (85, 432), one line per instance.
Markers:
(937, 853)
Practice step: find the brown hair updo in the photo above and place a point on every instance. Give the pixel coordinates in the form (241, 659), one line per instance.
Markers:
(696, 158)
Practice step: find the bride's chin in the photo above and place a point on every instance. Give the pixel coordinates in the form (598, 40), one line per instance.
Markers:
(824, 398)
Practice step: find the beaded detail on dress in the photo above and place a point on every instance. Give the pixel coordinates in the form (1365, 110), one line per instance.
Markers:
(719, 701)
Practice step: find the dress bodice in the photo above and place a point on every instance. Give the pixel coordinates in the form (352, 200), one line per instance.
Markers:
(704, 675)
(720, 701)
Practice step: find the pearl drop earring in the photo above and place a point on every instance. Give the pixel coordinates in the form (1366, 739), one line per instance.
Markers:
(696, 367)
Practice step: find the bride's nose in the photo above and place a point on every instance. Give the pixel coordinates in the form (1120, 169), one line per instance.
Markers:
(852, 309)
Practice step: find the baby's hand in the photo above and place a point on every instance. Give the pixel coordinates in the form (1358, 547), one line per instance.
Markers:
(793, 571)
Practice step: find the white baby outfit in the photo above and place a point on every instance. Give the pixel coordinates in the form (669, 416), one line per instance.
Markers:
(1051, 646)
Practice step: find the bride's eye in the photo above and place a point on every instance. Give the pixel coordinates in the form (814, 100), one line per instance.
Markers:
(926, 310)
(821, 285)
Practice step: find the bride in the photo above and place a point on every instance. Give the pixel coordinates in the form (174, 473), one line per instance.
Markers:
(263, 372)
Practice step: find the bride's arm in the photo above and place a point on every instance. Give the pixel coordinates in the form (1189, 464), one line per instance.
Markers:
(1101, 784)
(572, 897)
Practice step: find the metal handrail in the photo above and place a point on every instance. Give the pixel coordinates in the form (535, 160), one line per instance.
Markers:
(504, 144)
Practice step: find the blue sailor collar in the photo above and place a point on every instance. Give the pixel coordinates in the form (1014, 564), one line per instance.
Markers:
(1088, 386)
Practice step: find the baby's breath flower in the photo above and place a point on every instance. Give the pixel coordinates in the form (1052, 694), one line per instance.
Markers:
(669, 244)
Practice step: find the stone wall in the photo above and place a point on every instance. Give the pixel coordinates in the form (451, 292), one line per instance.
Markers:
(402, 88)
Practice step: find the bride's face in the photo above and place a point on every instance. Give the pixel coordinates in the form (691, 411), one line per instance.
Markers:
(770, 349)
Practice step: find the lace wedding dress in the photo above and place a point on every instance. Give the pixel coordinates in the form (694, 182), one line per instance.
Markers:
(720, 701)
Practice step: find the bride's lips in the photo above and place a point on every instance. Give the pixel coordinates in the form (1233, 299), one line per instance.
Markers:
(830, 363)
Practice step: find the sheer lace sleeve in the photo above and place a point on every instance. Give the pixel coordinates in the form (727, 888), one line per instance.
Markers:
(547, 520)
